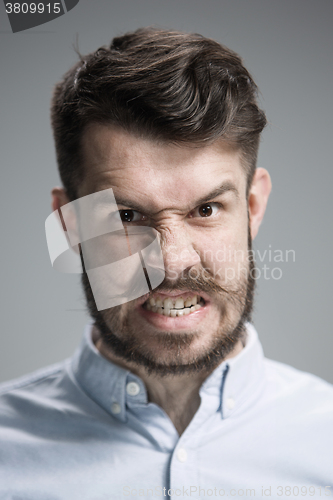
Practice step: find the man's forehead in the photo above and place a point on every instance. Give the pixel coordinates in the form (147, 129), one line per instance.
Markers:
(130, 164)
(103, 142)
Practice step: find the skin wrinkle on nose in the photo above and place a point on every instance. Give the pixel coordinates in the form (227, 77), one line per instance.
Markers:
(173, 245)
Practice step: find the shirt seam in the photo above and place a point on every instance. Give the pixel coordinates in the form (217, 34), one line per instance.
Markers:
(32, 379)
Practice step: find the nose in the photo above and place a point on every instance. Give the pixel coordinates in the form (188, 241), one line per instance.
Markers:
(179, 252)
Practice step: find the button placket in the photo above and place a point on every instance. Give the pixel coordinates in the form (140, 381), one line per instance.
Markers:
(184, 469)
(181, 455)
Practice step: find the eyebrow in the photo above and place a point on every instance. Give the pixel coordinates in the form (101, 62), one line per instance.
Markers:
(224, 188)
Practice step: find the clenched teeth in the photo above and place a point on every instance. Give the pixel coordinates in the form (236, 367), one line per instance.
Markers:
(177, 306)
(174, 303)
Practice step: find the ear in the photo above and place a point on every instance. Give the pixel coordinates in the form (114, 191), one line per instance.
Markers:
(258, 195)
(59, 199)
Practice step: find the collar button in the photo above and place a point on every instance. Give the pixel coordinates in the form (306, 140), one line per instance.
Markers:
(182, 455)
(230, 403)
(115, 408)
(132, 388)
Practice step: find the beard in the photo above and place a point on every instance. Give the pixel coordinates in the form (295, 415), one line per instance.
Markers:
(122, 338)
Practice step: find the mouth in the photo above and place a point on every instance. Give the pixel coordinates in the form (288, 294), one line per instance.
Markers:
(173, 306)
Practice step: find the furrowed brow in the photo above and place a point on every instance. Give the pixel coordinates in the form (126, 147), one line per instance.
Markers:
(129, 204)
(226, 187)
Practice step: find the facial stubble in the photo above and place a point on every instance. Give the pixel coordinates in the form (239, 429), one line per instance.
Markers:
(121, 336)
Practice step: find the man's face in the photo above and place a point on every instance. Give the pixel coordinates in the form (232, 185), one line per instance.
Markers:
(195, 197)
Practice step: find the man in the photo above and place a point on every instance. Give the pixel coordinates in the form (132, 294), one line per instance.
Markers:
(169, 394)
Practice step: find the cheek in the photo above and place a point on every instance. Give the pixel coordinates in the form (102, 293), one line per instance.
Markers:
(223, 250)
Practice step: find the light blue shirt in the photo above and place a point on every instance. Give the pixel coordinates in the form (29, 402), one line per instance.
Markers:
(84, 429)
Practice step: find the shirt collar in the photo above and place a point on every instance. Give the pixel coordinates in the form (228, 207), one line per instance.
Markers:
(233, 385)
(245, 376)
(102, 380)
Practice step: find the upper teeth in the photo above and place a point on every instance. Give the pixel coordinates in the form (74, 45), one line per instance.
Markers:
(175, 302)
(174, 306)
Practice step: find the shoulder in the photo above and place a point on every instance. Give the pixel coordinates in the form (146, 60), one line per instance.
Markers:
(46, 396)
(283, 375)
(29, 381)
(298, 391)
(22, 396)
(49, 405)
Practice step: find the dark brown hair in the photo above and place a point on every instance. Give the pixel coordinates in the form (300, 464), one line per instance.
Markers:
(165, 85)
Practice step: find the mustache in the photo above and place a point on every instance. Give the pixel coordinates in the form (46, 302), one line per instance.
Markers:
(203, 282)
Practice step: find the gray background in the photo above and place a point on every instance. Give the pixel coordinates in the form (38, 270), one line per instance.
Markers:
(287, 46)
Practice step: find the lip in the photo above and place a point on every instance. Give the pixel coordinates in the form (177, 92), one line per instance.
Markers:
(173, 294)
(160, 322)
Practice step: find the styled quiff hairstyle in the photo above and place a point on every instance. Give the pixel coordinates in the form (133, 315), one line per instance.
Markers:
(164, 85)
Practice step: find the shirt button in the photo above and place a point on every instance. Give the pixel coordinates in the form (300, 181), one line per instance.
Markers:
(230, 403)
(132, 389)
(115, 408)
(182, 455)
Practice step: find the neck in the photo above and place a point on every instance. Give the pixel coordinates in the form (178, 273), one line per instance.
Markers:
(177, 395)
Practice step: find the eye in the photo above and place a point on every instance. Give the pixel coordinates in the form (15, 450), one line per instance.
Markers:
(206, 210)
(131, 216)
